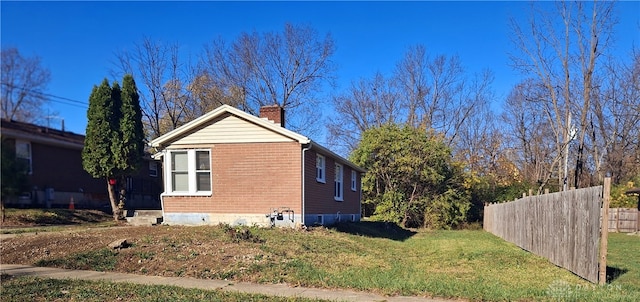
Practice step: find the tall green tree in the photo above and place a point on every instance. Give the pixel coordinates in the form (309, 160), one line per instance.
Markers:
(411, 178)
(131, 150)
(114, 142)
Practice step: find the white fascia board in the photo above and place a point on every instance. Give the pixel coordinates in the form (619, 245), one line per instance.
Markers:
(186, 128)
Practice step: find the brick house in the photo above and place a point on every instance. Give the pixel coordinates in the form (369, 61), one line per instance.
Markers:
(232, 167)
(56, 175)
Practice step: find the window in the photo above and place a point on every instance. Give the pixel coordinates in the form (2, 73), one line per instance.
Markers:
(153, 169)
(337, 184)
(354, 178)
(190, 172)
(203, 171)
(320, 169)
(23, 154)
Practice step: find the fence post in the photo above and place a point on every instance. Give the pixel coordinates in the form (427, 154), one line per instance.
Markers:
(604, 231)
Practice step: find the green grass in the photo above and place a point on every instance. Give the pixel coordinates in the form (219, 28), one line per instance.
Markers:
(37, 289)
(455, 264)
(623, 260)
(99, 260)
(466, 264)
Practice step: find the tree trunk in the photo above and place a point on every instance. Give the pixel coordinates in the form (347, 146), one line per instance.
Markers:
(113, 199)
(3, 211)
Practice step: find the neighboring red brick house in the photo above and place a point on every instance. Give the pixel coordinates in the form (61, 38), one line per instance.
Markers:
(231, 167)
(54, 158)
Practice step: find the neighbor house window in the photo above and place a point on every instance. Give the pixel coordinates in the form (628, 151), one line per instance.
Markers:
(354, 178)
(23, 154)
(337, 184)
(153, 169)
(320, 170)
(190, 172)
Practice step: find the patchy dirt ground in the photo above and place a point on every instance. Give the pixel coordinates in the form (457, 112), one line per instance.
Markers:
(201, 252)
(47, 217)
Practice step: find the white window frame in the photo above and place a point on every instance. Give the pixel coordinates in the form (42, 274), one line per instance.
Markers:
(338, 183)
(29, 155)
(191, 173)
(321, 171)
(354, 179)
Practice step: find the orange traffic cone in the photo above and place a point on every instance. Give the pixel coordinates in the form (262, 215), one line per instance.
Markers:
(71, 205)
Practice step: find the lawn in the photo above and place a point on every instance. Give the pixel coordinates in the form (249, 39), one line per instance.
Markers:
(36, 289)
(367, 256)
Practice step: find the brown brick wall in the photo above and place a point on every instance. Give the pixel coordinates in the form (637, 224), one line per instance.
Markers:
(247, 178)
(61, 169)
(319, 196)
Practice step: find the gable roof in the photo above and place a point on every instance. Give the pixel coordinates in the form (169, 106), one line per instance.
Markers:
(220, 112)
(41, 134)
(223, 114)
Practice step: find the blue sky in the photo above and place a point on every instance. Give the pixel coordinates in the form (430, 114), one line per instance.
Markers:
(77, 40)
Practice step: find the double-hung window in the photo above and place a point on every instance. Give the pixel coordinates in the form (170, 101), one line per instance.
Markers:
(153, 169)
(354, 178)
(337, 184)
(190, 172)
(320, 170)
(23, 154)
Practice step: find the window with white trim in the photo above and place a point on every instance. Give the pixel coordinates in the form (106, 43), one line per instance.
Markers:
(354, 178)
(23, 154)
(337, 183)
(189, 172)
(320, 170)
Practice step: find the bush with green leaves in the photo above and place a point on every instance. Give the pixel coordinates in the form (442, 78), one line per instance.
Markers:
(411, 178)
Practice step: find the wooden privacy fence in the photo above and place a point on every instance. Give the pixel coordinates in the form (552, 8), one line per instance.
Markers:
(624, 220)
(563, 227)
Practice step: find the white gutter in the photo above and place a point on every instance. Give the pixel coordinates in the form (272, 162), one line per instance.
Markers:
(303, 180)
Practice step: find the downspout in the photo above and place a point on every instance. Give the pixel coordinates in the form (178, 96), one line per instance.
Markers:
(360, 193)
(164, 184)
(162, 205)
(303, 181)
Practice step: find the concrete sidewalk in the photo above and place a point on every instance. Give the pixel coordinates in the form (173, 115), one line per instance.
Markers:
(282, 290)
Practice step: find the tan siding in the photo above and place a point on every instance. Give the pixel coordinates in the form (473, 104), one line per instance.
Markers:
(319, 196)
(248, 178)
(231, 129)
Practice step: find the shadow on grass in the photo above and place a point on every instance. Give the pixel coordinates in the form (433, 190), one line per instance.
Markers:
(54, 216)
(375, 229)
(613, 273)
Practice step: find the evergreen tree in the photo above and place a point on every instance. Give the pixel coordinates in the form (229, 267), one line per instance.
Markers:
(114, 142)
(131, 128)
(97, 154)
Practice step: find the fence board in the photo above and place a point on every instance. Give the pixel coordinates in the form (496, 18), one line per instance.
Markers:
(624, 220)
(563, 227)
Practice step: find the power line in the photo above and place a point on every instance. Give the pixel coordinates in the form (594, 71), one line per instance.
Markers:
(57, 99)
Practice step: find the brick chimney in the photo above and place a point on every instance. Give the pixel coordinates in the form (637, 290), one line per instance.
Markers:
(273, 113)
